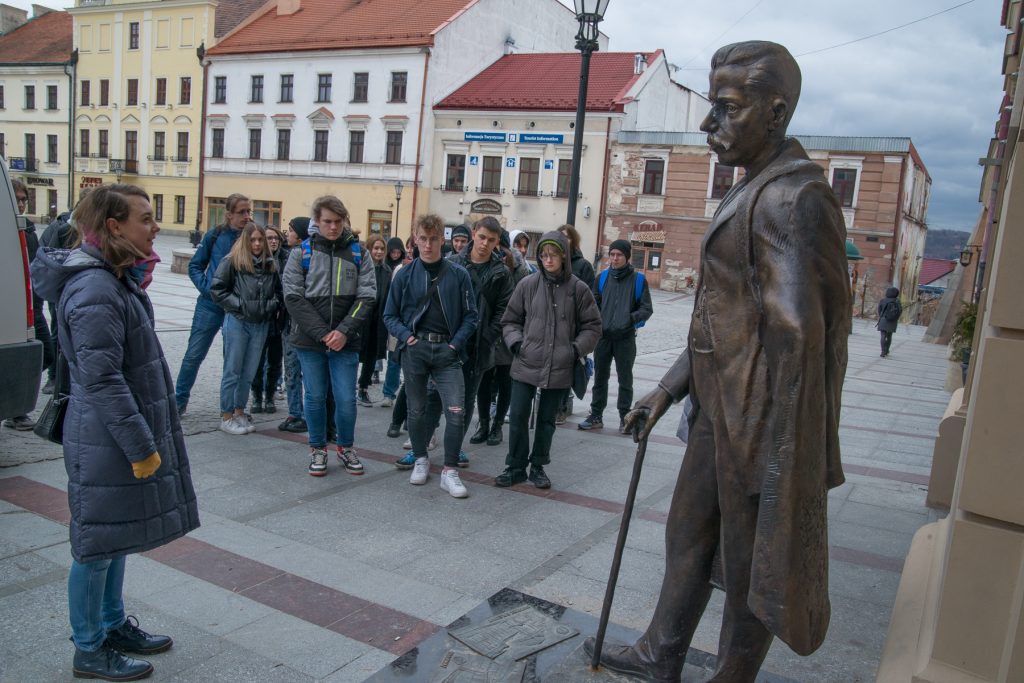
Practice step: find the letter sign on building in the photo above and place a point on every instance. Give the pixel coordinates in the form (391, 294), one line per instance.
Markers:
(510, 162)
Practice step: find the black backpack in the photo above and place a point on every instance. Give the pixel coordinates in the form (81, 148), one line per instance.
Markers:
(891, 311)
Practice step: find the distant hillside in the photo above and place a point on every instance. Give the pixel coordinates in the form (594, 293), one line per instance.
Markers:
(945, 244)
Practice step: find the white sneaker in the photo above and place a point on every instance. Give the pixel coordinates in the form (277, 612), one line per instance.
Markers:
(452, 483)
(420, 470)
(386, 402)
(431, 445)
(231, 426)
(246, 421)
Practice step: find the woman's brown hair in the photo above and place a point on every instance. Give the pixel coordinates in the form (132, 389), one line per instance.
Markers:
(372, 240)
(91, 214)
(574, 238)
(241, 256)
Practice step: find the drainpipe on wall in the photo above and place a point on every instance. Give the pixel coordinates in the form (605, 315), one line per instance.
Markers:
(71, 70)
(899, 222)
(201, 54)
(419, 142)
(604, 191)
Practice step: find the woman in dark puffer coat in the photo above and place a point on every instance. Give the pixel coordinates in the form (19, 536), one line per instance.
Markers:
(129, 483)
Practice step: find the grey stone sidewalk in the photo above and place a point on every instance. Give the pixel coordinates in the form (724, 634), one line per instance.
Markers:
(280, 552)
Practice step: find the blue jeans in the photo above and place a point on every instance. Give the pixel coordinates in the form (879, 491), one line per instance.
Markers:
(292, 377)
(393, 377)
(94, 601)
(206, 322)
(429, 360)
(243, 345)
(340, 367)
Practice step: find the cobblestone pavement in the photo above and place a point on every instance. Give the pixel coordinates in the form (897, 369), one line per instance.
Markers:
(293, 578)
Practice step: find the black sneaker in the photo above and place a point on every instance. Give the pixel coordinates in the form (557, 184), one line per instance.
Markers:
(592, 422)
(539, 479)
(108, 664)
(395, 430)
(363, 398)
(257, 406)
(295, 425)
(510, 477)
(494, 437)
(376, 377)
(131, 639)
(21, 423)
(482, 430)
(269, 406)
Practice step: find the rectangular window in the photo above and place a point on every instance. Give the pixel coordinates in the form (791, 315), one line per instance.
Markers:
(51, 97)
(654, 175)
(356, 140)
(179, 208)
(51, 149)
(30, 97)
(266, 213)
(83, 97)
(159, 146)
(3, 146)
(399, 79)
(721, 181)
(2, 97)
(133, 35)
(217, 151)
(51, 200)
(104, 144)
(287, 85)
(393, 152)
(844, 184)
(564, 182)
(529, 175)
(158, 207)
(455, 175)
(31, 201)
(161, 91)
(284, 144)
(104, 92)
(256, 89)
(361, 86)
(323, 88)
(131, 146)
(83, 143)
(490, 181)
(220, 90)
(185, 90)
(255, 138)
(133, 92)
(320, 145)
(30, 152)
(182, 146)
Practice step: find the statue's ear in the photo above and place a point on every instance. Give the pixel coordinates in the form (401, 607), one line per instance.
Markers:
(780, 113)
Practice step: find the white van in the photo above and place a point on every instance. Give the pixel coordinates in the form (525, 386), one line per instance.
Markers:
(21, 355)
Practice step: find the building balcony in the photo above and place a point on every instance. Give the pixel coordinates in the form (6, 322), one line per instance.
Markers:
(340, 170)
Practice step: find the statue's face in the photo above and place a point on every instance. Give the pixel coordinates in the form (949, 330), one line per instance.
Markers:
(740, 123)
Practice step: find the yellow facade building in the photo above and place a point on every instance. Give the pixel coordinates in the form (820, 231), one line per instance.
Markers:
(139, 99)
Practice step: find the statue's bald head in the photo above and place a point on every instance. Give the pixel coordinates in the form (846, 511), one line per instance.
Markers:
(770, 69)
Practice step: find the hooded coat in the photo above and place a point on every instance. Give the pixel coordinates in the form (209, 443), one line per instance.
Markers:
(121, 411)
(553, 321)
(892, 296)
(491, 301)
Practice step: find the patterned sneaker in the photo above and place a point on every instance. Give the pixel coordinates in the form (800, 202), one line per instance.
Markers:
(452, 483)
(348, 459)
(420, 471)
(463, 459)
(318, 462)
(406, 461)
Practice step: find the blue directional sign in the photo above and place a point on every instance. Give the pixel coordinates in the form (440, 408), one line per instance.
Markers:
(17, 164)
(484, 137)
(474, 160)
(549, 165)
(510, 162)
(541, 138)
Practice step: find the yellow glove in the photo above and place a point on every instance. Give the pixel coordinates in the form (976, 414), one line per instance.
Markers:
(146, 468)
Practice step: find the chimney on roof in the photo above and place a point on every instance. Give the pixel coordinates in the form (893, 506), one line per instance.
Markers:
(39, 10)
(510, 45)
(639, 63)
(11, 18)
(287, 7)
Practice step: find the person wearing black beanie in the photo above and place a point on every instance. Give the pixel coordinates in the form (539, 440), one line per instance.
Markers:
(300, 224)
(623, 246)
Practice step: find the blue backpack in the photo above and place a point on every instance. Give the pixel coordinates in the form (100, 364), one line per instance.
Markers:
(307, 254)
(638, 289)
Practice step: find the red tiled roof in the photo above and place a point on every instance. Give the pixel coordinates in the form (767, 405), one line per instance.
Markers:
(548, 82)
(42, 40)
(934, 268)
(231, 13)
(340, 24)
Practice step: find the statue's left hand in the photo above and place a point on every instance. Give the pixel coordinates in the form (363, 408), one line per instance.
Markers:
(646, 413)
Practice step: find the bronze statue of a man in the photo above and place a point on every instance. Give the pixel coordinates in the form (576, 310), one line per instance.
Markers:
(764, 370)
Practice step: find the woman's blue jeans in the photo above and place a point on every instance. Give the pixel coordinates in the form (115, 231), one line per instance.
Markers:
(340, 367)
(392, 377)
(243, 345)
(94, 601)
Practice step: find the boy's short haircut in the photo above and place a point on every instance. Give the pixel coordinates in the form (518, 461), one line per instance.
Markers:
(489, 223)
(332, 204)
(431, 224)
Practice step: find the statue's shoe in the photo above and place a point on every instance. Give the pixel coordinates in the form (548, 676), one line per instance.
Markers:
(625, 659)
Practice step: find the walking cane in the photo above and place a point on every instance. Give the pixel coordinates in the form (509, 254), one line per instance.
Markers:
(620, 545)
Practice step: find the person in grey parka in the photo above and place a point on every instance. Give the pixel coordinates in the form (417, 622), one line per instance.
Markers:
(129, 483)
(889, 312)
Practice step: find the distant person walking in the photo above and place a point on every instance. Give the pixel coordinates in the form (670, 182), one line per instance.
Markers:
(208, 316)
(129, 484)
(624, 298)
(889, 312)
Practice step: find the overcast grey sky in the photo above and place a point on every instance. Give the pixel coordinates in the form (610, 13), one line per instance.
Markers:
(936, 81)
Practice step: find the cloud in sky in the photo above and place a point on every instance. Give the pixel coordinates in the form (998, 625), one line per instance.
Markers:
(937, 81)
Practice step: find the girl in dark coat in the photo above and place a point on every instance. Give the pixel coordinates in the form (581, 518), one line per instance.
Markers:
(121, 430)
(889, 312)
(375, 339)
(268, 372)
(248, 288)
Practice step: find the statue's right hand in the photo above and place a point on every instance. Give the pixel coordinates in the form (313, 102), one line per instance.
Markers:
(646, 413)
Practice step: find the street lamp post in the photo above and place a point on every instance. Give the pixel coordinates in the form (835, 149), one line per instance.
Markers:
(589, 13)
(398, 202)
